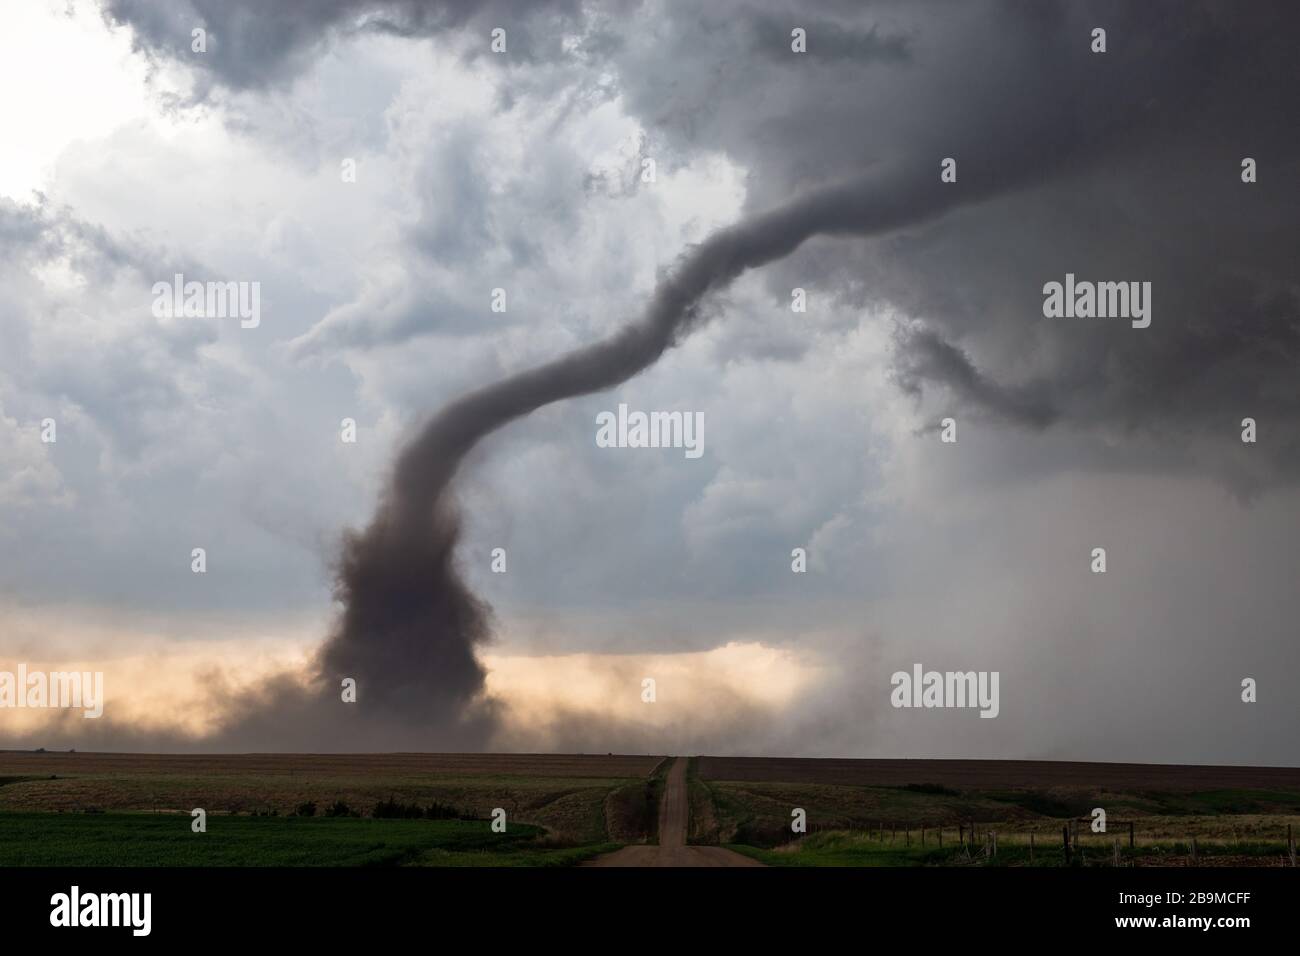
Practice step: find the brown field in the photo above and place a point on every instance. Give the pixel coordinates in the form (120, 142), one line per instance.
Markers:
(576, 797)
(997, 774)
(587, 799)
(860, 809)
(21, 762)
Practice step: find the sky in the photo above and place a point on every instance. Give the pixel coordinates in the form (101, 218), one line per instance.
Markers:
(129, 156)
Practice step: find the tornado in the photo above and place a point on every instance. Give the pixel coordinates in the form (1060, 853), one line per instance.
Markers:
(410, 626)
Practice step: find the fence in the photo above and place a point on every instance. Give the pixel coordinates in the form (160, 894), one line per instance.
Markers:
(1072, 840)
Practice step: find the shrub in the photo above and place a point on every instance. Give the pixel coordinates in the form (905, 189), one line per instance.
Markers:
(391, 809)
(935, 788)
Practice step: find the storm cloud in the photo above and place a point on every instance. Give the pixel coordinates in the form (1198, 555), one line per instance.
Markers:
(1121, 166)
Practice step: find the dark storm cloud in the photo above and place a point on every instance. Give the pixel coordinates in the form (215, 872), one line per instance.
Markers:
(411, 628)
(409, 619)
(1136, 153)
(1081, 115)
(927, 356)
(251, 43)
(834, 41)
(1119, 166)
(1134, 161)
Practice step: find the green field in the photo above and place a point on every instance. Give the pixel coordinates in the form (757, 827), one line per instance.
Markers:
(70, 809)
(858, 848)
(575, 808)
(154, 839)
(78, 809)
(840, 849)
(869, 825)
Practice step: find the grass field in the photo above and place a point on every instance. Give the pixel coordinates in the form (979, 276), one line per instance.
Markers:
(859, 848)
(576, 799)
(873, 813)
(134, 809)
(147, 839)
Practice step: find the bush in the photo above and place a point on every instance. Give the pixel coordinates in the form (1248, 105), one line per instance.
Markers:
(935, 788)
(305, 810)
(390, 809)
(341, 809)
(445, 811)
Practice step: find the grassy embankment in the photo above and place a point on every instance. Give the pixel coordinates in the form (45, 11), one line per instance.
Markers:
(882, 826)
(111, 810)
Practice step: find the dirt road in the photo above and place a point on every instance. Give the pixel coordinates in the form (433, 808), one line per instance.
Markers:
(674, 813)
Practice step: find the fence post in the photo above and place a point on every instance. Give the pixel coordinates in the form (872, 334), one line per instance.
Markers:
(1131, 844)
(941, 837)
(1031, 848)
(961, 834)
(1065, 836)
